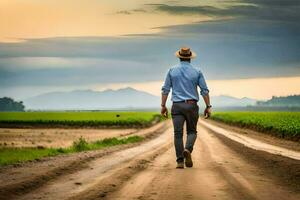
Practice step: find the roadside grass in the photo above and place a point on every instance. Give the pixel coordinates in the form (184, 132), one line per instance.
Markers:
(16, 155)
(281, 124)
(79, 119)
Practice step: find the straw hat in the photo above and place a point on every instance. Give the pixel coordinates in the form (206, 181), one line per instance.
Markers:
(185, 52)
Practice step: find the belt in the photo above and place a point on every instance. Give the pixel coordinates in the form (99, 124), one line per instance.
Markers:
(191, 101)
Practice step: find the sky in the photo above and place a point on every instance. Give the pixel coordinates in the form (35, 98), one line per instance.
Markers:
(245, 48)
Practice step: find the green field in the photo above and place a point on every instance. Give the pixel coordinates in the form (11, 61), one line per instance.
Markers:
(16, 155)
(85, 119)
(281, 124)
(71, 119)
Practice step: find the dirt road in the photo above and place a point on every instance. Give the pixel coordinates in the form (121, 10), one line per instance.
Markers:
(223, 169)
(219, 173)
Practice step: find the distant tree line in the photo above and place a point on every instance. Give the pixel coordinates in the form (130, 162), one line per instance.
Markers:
(288, 101)
(8, 104)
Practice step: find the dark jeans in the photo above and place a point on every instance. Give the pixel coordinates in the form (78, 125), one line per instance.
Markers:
(189, 113)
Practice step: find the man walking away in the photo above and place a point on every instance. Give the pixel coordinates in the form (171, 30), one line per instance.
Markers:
(184, 79)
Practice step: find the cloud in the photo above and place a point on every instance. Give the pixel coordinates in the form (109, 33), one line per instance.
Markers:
(226, 50)
(74, 71)
(124, 12)
(277, 10)
(272, 3)
(186, 10)
(139, 10)
(133, 11)
(14, 64)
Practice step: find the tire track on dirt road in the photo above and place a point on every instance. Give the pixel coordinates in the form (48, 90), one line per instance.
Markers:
(252, 143)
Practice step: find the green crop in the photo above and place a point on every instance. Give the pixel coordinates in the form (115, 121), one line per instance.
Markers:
(80, 119)
(282, 124)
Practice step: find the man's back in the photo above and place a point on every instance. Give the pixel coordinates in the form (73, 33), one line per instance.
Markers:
(184, 79)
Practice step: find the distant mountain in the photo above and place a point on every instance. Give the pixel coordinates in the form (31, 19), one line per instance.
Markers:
(287, 101)
(228, 101)
(126, 98)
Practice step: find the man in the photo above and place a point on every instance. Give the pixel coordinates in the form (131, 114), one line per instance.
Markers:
(184, 79)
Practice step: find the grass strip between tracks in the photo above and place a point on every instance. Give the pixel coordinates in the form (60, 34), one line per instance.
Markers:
(16, 155)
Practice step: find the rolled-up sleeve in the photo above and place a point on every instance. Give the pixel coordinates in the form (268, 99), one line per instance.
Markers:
(202, 84)
(167, 84)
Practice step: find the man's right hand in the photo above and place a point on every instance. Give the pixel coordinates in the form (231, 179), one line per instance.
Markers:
(207, 112)
(164, 111)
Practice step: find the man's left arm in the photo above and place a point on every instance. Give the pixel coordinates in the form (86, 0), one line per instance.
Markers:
(204, 91)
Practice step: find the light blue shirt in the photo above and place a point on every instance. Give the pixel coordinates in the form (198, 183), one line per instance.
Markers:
(184, 79)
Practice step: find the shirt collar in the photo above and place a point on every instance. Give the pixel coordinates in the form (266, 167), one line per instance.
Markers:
(185, 63)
